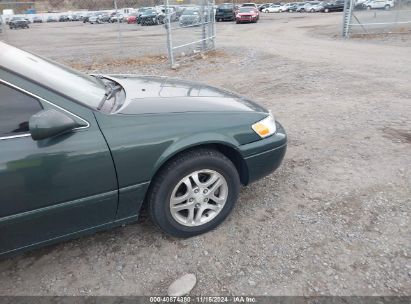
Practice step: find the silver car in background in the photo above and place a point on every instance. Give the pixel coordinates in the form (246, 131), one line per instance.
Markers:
(314, 6)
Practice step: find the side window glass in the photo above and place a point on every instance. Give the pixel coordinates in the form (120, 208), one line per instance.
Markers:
(16, 108)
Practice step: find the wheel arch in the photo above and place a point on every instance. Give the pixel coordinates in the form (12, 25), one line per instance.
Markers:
(227, 149)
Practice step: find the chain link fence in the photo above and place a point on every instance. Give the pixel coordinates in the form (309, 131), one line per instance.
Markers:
(190, 28)
(88, 31)
(374, 17)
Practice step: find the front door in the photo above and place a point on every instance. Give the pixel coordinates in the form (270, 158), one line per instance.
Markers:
(52, 187)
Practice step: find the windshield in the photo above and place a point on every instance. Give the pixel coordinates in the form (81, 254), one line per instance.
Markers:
(149, 12)
(246, 10)
(190, 12)
(78, 86)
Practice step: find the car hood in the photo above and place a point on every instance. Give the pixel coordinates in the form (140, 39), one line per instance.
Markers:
(156, 95)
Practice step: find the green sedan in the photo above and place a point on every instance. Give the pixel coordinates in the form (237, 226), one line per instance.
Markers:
(81, 153)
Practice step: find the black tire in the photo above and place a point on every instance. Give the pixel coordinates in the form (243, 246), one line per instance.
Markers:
(387, 7)
(163, 184)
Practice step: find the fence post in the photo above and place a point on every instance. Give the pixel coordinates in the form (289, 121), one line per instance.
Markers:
(118, 28)
(169, 41)
(348, 8)
(2, 26)
(213, 27)
(203, 26)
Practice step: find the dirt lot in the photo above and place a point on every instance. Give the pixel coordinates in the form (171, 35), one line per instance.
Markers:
(333, 220)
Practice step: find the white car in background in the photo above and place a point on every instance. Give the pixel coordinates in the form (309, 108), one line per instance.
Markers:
(272, 9)
(285, 7)
(313, 7)
(251, 4)
(379, 4)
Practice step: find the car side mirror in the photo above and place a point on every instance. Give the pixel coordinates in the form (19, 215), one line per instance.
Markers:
(49, 123)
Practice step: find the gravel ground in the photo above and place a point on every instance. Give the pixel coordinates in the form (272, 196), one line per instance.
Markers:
(333, 220)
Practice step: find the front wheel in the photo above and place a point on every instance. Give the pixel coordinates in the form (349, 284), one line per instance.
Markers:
(326, 10)
(194, 193)
(387, 7)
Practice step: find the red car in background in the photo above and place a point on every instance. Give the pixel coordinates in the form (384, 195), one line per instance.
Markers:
(247, 14)
(132, 19)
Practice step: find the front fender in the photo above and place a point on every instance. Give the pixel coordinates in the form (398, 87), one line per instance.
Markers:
(192, 141)
(141, 144)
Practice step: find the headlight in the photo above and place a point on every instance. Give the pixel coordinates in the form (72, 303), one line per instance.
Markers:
(265, 127)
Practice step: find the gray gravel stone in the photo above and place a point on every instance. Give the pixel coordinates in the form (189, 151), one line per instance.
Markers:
(182, 286)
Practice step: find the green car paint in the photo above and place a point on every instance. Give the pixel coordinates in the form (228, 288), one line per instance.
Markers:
(97, 175)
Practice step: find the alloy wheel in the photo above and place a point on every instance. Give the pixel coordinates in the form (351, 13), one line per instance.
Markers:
(198, 197)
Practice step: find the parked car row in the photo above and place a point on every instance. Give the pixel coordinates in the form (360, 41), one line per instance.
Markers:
(324, 6)
(300, 7)
(98, 16)
(246, 13)
(18, 23)
(376, 4)
(143, 16)
(192, 15)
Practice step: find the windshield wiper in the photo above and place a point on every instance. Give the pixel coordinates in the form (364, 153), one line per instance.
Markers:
(99, 78)
(110, 91)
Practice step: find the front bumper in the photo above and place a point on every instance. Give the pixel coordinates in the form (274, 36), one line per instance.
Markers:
(225, 16)
(264, 156)
(249, 19)
(184, 22)
(148, 20)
